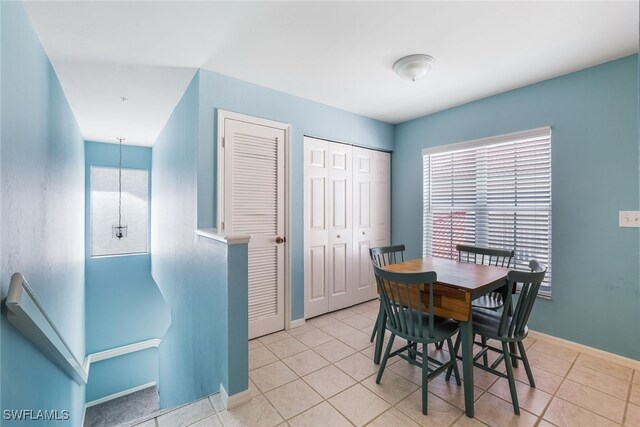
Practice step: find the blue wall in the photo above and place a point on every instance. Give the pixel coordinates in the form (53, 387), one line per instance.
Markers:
(190, 271)
(204, 281)
(42, 227)
(594, 118)
(306, 118)
(122, 373)
(123, 302)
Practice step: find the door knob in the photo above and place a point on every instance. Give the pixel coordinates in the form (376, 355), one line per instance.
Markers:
(280, 239)
(338, 236)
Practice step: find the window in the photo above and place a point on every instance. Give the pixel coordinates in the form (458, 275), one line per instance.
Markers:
(492, 192)
(104, 211)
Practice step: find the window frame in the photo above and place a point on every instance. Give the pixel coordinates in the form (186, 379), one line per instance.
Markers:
(90, 213)
(480, 204)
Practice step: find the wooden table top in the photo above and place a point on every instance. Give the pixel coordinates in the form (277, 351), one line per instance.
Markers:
(474, 278)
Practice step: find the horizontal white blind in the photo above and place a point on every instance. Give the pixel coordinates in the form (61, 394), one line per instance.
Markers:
(491, 195)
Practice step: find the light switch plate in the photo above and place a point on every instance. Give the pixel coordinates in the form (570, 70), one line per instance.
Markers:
(630, 219)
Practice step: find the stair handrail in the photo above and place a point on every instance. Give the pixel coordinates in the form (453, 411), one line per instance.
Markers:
(29, 317)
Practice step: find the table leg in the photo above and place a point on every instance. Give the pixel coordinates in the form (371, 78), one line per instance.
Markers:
(466, 335)
(381, 320)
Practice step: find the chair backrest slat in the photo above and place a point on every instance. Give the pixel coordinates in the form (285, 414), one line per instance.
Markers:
(496, 257)
(400, 294)
(514, 325)
(386, 255)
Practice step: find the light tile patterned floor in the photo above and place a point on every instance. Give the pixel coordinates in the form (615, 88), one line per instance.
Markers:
(322, 374)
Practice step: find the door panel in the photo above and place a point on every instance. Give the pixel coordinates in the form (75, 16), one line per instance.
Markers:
(381, 233)
(253, 195)
(339, 204)
(340, 208)
(316, 226)
(363, 213)
(317, 276)
(339, 270)
(318, 209)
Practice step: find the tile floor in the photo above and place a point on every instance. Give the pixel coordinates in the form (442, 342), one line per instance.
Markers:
(322, 374)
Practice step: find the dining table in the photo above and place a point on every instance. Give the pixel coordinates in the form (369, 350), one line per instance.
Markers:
(456, 286)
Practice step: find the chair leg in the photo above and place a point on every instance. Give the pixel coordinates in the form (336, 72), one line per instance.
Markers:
(512, 382)
(525, 362)
(414, 347)
(383, 364)
(382, 319)
(454, 362)
(375, 326)
(456, 347)
(425, 379)
(439, 345)
(512, 348)
(485, 358)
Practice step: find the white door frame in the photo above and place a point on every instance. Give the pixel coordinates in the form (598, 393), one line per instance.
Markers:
(222, 116)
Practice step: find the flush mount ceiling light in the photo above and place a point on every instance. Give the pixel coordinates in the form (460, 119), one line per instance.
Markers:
(413, 67)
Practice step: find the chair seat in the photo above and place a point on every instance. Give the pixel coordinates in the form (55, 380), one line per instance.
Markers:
(487, 322)
(443, 328)
(491, 301)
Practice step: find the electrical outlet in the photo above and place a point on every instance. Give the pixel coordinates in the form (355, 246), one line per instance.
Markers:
(630, 219)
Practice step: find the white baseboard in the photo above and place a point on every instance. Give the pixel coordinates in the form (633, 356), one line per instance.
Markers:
(297, 322)
(119, 351)
(612, 357)
(119, 394)
(235, 399)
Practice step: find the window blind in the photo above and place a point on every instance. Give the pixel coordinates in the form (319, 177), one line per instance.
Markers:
(494, 192)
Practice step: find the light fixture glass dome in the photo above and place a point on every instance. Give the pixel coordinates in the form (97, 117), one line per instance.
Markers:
(413, 67)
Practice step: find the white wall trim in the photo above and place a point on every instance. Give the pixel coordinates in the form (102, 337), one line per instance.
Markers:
(287, 228)
(235, 399)
(119, 351)
(212, 233)
(84, 414)
(612, 357)
(297, 322)
(117, 395)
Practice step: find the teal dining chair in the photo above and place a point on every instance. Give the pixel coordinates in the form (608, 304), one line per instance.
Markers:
(383, 256)
(402, 297)
(485, 256)
(508, 326)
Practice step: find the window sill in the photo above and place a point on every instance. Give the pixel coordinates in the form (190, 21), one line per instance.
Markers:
(118, 255)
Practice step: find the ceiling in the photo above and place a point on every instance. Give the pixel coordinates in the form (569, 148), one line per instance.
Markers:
(337, 53)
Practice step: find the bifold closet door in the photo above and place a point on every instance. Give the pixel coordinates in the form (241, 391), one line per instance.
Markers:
(363, 224)
(381, 216)
(328, 226)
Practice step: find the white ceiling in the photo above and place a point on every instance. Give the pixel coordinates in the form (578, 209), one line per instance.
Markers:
(337, 53)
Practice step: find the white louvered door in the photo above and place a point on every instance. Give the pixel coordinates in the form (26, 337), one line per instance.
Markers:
(254, 205)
